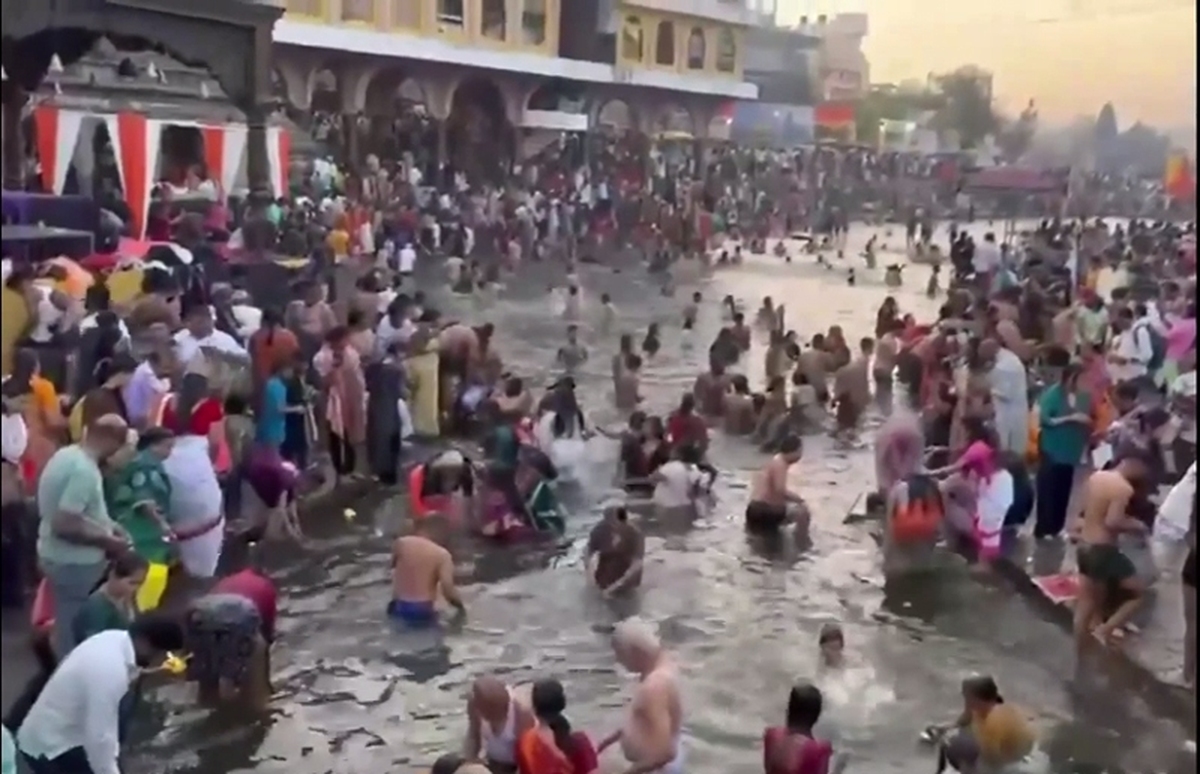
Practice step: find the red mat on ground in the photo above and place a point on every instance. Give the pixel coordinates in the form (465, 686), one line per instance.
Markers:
(1061, 588)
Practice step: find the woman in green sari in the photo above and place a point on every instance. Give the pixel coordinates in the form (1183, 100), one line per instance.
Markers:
(139, 495)
(111, 605)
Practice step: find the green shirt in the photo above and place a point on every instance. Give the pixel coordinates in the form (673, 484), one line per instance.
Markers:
(71, 482)
(1062, 444)
(98, 614)
(503, 447)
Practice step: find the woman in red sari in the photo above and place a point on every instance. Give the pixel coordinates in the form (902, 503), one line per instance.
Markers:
(551, 747)
(791, 749)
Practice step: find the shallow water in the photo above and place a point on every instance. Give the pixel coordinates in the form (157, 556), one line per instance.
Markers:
(355, 696)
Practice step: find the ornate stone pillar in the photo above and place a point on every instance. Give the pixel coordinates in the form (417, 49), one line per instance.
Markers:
(439, 100)
(255, 104)
(13, 151)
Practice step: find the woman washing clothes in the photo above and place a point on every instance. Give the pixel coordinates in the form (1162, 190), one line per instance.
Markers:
(228, 633)
(444, 485)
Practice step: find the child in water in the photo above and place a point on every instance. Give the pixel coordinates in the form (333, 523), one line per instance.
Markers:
(832, 642)
(653, 342)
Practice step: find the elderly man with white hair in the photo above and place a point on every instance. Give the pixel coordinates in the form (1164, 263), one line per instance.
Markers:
(651, 734)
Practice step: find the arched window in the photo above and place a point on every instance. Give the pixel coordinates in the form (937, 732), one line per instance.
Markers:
(664, 44)
(450, 13)
(533, 22)
(495, 19)
(726, 50)
(633, 39)
(697, 49)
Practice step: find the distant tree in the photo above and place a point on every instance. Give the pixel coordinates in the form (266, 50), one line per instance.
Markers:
(1015, 137)
(968, 108)
(890, 104)
(1106, 125)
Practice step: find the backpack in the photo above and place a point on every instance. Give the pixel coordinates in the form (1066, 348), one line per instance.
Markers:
(920, 520)
(1158, 347)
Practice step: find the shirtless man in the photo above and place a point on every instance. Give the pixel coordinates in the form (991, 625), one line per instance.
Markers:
(650, 737)
(615, 548)
(496, 718)
(739, 408)
(421, 568)
(572, 354)
(626, 385)
(887, 349)
(709, 390)
(771, 502)
(1107, 576)
(852, 389)
(812, 362)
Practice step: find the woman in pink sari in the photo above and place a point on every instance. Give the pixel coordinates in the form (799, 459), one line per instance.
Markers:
(345, 393)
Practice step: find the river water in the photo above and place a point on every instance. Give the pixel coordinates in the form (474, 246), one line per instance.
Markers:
(354, 696)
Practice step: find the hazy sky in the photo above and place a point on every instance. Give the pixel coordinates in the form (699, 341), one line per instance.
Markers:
(1141, 54)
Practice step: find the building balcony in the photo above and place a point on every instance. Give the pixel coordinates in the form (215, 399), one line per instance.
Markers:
(528, 26)
(735, 12)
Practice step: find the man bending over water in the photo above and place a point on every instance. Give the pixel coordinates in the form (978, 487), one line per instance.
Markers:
(650, 736)
(1105, 574)
(771, 502)
(422, 570)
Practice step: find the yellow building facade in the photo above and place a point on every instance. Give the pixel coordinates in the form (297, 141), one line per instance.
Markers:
(527, 26)
(678, 43)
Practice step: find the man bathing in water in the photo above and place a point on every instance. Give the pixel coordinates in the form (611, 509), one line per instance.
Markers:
(771, 502)
(852, 389)
(422, 570)
(1107, 577)
(650, 736)
(496, 718)
(614, 553)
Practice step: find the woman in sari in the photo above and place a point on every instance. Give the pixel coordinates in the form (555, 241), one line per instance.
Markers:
(196, 501)
(139, 499)
(339, 368)
(38, 403)
(551, 746)
(111, 374)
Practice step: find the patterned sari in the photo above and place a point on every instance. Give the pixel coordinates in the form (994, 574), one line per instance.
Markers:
(140, 482)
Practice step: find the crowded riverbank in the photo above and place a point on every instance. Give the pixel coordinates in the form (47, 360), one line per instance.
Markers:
(349, 688)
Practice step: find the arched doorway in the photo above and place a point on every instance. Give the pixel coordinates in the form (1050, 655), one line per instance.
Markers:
(398, 125)
(479, 137)
(615, 116)
(618, 150)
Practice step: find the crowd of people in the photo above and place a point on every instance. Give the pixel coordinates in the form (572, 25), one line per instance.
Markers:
(154, 436)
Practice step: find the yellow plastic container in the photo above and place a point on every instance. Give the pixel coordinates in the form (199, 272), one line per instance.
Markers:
(150, 595)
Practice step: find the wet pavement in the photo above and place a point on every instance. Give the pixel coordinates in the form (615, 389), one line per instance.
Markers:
(354, 696)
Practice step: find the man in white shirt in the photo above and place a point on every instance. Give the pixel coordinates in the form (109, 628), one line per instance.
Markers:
(1131, 349)
(407, 259)
(987, 256)
(679, 483)
(73, 727)
(201, 334)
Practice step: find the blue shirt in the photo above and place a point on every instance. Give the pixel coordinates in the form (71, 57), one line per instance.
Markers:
(1065, 443)
(271, 426)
